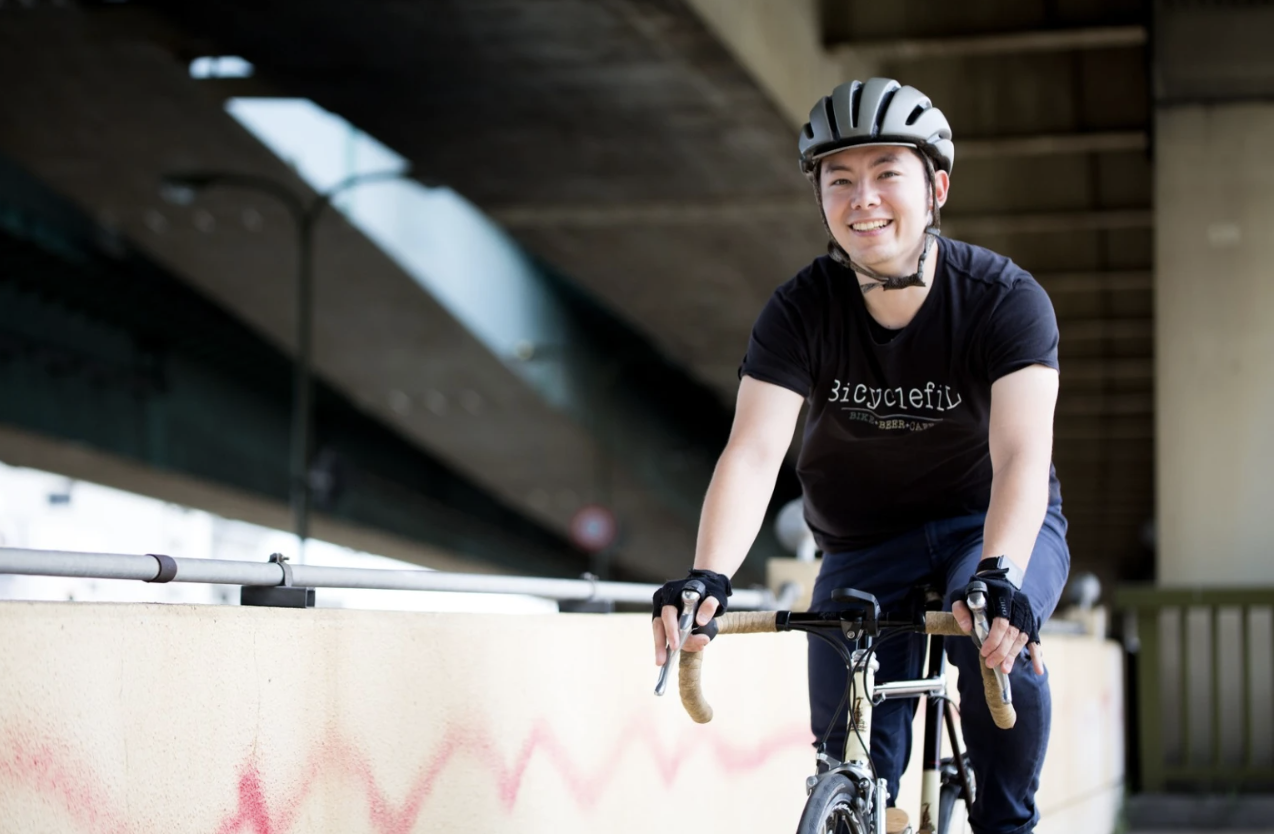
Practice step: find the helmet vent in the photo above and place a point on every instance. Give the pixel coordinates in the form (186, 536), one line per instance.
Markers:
(835, 131)
(883, 104)
(916, 114)
(856, 92)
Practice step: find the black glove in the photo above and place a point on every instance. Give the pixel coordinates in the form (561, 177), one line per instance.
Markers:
(1004, 601)
(716, 585)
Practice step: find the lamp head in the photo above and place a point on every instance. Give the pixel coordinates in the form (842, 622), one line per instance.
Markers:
(182, 189)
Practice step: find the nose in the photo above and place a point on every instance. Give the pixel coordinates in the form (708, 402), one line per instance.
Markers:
(865, 194)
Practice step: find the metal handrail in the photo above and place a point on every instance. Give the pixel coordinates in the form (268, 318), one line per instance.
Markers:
(150, 567)
(1162, 769)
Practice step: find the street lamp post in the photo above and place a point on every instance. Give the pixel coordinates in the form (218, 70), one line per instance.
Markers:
(182, 189)
(600, 382)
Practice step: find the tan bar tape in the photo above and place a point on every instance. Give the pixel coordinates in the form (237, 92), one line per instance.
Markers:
(941, 622)
(754, 622)
(689, 687)
(743, 622)
(1003, 715)
(746, 622)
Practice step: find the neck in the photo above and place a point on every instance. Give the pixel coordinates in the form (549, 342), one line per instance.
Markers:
(896, 308)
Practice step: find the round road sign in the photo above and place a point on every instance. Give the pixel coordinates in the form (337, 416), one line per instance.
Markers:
(593, 528)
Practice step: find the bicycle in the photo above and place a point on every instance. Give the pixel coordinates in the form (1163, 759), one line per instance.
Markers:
(848, 798)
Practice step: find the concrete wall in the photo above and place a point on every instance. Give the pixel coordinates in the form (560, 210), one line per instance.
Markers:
(150, 718)
(1214, 306)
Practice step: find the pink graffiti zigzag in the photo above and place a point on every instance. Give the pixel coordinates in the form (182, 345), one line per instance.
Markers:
(337, 755)
(50, 768)
(54, 771)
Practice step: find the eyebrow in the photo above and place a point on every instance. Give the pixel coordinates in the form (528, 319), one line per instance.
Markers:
(886, 158)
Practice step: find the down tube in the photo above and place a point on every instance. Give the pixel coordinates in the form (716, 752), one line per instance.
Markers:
(933, 746)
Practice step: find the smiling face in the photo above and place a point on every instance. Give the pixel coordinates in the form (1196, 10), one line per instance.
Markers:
(876, 200)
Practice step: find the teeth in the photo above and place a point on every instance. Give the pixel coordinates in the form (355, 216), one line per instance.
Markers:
(869, 226)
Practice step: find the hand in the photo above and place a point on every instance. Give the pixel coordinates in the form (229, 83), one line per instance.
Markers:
(716, 587)
(667, 624)
(1003, 644)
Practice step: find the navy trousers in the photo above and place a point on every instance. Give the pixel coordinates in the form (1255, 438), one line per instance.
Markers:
(1007, 763)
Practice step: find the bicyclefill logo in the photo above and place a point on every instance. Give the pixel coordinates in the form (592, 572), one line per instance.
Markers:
(895, 409)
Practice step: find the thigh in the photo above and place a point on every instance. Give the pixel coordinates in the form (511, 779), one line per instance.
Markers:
(889, 572)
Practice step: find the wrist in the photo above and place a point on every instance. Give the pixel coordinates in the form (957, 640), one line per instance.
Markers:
(1000, 567)
(712, 574)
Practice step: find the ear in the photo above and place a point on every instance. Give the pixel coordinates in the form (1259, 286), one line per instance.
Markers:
(941, 187)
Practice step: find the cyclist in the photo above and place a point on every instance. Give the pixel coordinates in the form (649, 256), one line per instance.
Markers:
(930, 368)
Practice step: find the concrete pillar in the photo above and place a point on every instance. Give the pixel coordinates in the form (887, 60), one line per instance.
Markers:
(1214, 367)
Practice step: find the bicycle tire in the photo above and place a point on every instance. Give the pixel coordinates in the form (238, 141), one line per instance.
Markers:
(830, 809)
(949, 796)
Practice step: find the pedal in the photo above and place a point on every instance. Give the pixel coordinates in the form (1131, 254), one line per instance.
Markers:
(897, 821)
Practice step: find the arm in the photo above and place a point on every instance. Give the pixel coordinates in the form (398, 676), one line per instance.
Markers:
(1020, 436)
(739, 492)
(745, 475)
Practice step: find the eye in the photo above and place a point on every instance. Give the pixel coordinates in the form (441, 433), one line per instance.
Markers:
(886, 174)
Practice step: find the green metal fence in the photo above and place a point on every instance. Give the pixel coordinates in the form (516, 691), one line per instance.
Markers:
(1199, 681)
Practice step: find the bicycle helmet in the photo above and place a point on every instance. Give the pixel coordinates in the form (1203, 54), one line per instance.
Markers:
(880, 111)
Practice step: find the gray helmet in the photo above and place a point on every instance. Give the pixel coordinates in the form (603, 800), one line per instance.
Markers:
(879, 111)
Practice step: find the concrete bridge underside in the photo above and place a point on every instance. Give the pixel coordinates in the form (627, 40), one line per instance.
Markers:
(645, 151)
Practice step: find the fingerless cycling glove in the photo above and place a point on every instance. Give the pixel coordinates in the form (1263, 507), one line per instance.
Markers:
(1007, 602)
(716, 586)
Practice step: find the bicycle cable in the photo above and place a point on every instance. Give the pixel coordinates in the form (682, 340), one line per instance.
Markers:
(864, 660)
(844, 653)
(849, 690)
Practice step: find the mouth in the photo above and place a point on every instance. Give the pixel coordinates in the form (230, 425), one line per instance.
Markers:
(868, 228)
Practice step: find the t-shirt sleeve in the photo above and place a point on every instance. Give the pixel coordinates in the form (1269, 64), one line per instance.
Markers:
(1021, 332)
(779, 348)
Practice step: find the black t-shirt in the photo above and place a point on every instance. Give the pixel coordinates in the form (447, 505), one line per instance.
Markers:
(897, 430)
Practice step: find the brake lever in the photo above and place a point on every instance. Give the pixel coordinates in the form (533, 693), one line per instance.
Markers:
(978, 605)
(691, 595)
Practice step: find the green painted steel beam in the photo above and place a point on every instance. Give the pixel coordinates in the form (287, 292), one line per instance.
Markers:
(1146, 596)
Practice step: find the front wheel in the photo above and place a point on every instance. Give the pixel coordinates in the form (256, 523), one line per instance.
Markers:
(950, 795)
(836, 806)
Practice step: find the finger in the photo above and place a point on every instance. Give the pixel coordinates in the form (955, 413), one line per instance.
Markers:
(658, 632)
(696, 642)
(706, 611)
(1001, 651)
(1015, 651)
(996, 633)
(1038, 656)
(669, 615)
(962, 615)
